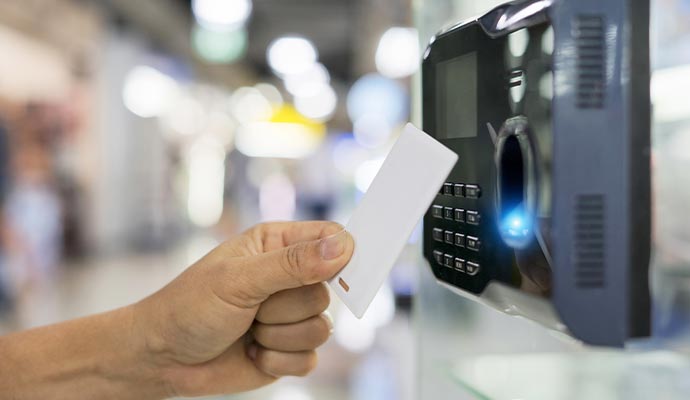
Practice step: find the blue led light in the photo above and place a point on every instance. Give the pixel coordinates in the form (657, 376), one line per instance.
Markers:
(516, 222)
(516, 227)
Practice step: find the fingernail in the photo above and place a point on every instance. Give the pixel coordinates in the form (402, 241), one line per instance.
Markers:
(333, 246)
(329, 320)
(251, 351)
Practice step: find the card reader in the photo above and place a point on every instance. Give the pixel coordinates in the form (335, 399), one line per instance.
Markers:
(547, 212)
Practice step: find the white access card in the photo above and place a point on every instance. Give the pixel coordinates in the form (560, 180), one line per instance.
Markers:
(397, 199)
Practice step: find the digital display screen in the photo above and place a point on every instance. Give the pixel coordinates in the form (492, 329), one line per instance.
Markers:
(456, 97)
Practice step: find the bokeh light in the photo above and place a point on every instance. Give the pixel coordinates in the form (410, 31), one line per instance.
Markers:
(319, 105)
(248, 104)
(308, 82)
(277, 198)
(270, 93)
(148, 92)
(223, 47)
(378, 95)
(185, 116)
(348, 155)
(397, 55)
(366, 173)
(358, 335)
(371, 130)
(291, 392)
(286, 134)
(221, 15)
(291, 55)
(206, 166)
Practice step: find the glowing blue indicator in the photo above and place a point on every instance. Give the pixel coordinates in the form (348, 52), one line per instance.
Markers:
(516, 222)
(516, 227)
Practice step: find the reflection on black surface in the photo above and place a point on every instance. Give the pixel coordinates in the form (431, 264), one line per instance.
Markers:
(534, 266)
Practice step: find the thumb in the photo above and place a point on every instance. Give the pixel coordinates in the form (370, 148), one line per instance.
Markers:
(300, 264)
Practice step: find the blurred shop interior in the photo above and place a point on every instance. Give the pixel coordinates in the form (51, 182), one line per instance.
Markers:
(137, 135)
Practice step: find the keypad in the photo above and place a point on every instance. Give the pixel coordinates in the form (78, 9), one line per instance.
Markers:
(459, 240)
(473, 191)
(459, 190)
(456, 214)
(459, 215)
(438, 234)
(448, 260)
(471, 268)
(449, 237)
(472, 217)
(438, 257)
(459, 264)
(472, 243)
(457, 247)
(470, 191)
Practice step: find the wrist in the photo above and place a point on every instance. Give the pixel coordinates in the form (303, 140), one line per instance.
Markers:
(142, 364)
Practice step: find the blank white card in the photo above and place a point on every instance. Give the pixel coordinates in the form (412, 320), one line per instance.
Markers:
(405, 186)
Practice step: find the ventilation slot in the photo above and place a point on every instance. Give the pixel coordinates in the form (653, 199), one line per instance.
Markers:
(588, 32)
(589, 241)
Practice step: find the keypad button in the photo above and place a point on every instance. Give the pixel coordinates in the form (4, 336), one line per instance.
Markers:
(437, 211)
(448, 260)
(473, 243)
(448, 189)
(459, 264)
(471, 268)
(472, 217)
(438, 235)
(448, 213)
(473, 191)
(449, 237)
(458, 190)
(460, 240)
(438, 257)
(459, 215)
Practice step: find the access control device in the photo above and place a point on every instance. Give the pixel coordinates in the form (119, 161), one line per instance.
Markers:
(547, 212)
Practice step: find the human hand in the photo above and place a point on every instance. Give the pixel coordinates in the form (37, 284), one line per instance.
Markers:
(247, 313)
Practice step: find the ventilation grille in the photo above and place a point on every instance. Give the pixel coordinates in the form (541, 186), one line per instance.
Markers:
(588, 32)
(589, 241)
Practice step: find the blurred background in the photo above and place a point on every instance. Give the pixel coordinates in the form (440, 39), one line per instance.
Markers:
(137, 135)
